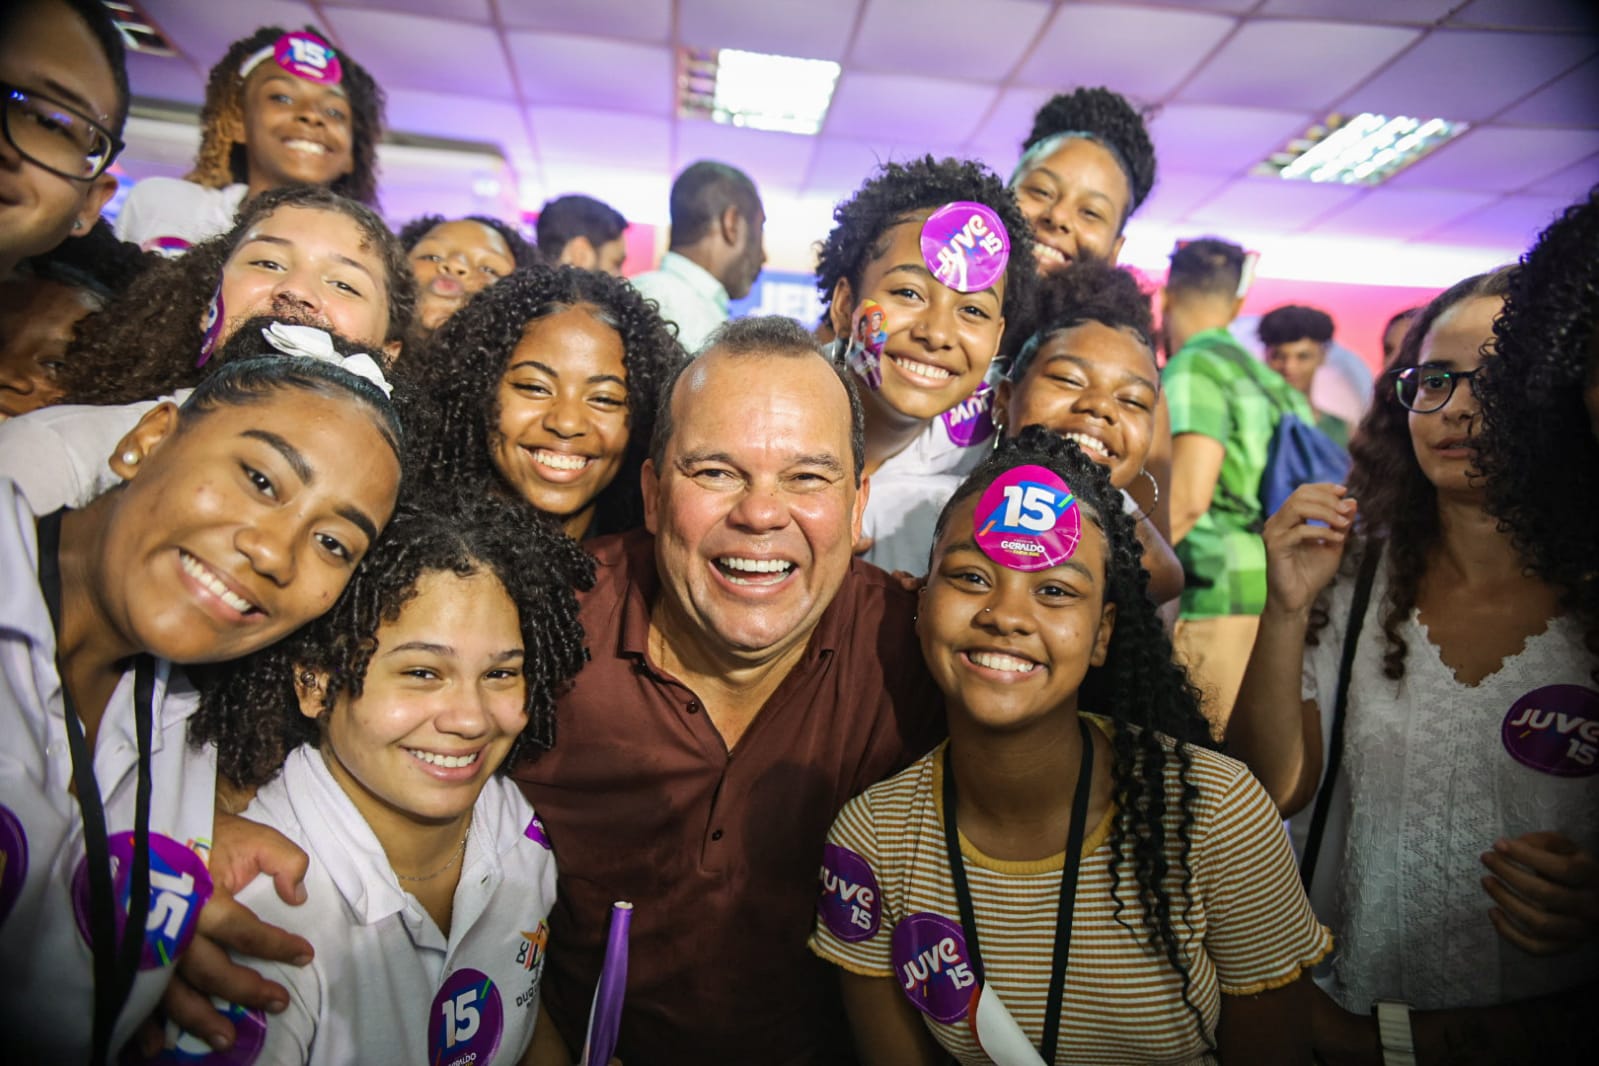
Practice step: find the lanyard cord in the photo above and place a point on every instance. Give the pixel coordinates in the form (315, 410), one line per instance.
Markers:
(115, 964)
(1068, 887)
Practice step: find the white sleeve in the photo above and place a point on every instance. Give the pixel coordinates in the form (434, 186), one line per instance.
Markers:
(36, 457)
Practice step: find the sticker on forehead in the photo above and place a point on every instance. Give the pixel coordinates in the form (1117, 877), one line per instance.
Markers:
(1027, 519)
(309, 58)
(866, 341)
(965, 245)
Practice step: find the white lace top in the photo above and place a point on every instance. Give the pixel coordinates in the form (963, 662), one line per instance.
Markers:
(1433, 772)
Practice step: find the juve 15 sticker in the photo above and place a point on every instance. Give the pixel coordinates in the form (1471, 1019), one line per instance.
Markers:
(309, 58)
(850, 904)
(1027, 519)
(466, 1022)
(13, 860)
(1555, 729)
(965, 245)
(179, 887)
(972, 420)
(932, 966)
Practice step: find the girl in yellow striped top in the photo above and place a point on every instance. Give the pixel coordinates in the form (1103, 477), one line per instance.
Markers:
(1172, 927)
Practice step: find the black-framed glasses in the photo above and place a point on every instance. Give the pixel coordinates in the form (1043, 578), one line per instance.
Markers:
(1425, 389)
(52, 135)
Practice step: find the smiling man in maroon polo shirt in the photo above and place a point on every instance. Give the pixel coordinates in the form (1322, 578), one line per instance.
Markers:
(748, 676)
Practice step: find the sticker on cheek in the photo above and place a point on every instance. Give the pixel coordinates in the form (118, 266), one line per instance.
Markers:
(1028, 519)
(850, 904)
(866, 341)
(1555, 730)
(211, 329)
(308, 58)
(13, 860)
(972, 420)
(965, 245)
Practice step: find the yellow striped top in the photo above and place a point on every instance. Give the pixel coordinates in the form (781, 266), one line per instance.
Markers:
(1249, 927)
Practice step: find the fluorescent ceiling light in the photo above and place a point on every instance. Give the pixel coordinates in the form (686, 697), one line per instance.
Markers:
(1363, 149)
(756, 90)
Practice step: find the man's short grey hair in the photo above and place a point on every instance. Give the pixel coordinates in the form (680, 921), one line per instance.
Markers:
(762, 336)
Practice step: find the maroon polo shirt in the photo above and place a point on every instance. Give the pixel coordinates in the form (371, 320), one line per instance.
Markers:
(717, 851)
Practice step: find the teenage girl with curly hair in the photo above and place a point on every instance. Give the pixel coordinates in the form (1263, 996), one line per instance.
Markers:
(1456, 859)
(947, 898)
(281, 108)
(453, 259)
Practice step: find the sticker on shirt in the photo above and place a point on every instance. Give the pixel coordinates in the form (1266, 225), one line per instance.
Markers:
(165, 247)
(211, 328)
(850, 904)
(866, 341)
(972, 420)
(1027, 519)
(13, 860)
(179, 887)
(965, 245)
(932, 966)
(308, 58)
(1555, 729)
(535, 832)
(466, 1022)
(249, 1028)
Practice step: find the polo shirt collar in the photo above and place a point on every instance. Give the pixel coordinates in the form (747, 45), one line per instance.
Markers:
(696, 277)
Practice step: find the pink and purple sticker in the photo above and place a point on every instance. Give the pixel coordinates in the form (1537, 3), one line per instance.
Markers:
(249, 1028)
(179, 888)
(466, 1022)
(308, 58)
(1028, 519)
(972, 420)
(165, 247)
(13, 860)
(866, 342)
(535, 832)
(850, 903)
(932, 966)
(1555, 730)
(211, 328)
(965, 245)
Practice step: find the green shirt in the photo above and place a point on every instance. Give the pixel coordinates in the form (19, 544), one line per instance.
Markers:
(1209, 391)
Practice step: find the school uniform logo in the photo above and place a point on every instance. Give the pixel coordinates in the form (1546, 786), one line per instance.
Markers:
(1555, 730)
(530, 948)
(13, 860)
(932, 966)
(466, 1022)
(850, 904)
(179, 888)
(535, 832)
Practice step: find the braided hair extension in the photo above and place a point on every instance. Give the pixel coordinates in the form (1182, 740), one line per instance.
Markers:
(250, 710)
(1141, 688)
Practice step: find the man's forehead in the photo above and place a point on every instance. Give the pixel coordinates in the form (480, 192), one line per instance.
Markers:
(801, 389)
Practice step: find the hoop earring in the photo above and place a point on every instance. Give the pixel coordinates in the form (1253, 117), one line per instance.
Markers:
(1155, 488)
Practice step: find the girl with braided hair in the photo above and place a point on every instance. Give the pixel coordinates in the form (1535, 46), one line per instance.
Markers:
(281, 108)
(1174, 901)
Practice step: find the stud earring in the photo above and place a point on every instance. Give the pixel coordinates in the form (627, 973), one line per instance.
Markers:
(77, 225)
(131, 458)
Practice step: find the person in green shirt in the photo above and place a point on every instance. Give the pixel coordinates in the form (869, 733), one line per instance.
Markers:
(1296, 340)
(1225, 405)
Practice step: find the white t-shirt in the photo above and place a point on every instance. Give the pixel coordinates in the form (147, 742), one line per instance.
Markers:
(60, 456)
(386, 985)
(48, 1004)
(167, 215)
(688, 296)
(1433, 772)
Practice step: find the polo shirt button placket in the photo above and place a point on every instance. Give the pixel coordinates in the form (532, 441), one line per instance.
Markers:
(716, 834)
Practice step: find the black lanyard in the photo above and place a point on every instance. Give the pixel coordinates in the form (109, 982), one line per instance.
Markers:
(115, 965)
(1068, 887)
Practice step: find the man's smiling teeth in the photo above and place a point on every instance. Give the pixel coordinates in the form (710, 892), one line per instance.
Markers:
(1090, 444)
(1049, 253)
(761, 571)
(447, 762)
(994, 660)
(306, 146)
(559, 461)
(212, 584)
(923, 370)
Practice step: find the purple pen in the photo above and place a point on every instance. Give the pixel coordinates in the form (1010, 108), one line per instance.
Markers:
(605, 1017)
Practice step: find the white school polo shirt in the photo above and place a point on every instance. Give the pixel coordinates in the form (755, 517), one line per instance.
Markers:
(60, 456)
(386, 985)
(47, 1008)
(167, 215)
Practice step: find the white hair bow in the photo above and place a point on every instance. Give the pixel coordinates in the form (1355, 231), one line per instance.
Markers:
(309, 342)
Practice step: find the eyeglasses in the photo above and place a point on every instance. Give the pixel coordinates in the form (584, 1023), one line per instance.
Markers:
(49, 134)
(1425, 389)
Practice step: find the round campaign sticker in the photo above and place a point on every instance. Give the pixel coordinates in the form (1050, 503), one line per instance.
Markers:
(13, 860)
(179, 887)
(1027, 519)
(850, 902)
(965, 245)
(211, 328)
(972, 420)
(866, 341)
(535, 832)
(465, 1024)
(249, 1027)
(932, 967)
(166, 247)
(1555, 729)
(309, 58)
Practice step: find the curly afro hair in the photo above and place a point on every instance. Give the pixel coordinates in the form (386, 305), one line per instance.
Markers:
(1109, 120)
(1140, 686)
(523, 254)
(893, 195)
(1536, 446)
(222, 160)
(97, 262)
(1088, 292)
(450, 391)
(144, 343)
(250, 710)
(1293, 322)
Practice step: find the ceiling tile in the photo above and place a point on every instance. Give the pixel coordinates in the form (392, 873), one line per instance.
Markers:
(1512, 222)
(641, 195)
(937, 37)
(1256, 205)
(464, 118)
(1413, 12)
(461, 10)
(1400, 214)
(637, 20)
(1176, 194)
(1011, 120)
(1233, 6)
(432, 54)
(1270, 61)
(1202, 139)
(577, 135)
(1530, 15)
(868, 105)
(1571, 184)
(590, 72)
(204, 31)
(772, 160)
(1091, 44)
(812, 29)
(1570, 101)
(841, 166)
(1499, 159)
(1468, 75)
(165, 78)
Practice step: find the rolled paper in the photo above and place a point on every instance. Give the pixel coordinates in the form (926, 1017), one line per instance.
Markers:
(998, 1034)
(605, 1015)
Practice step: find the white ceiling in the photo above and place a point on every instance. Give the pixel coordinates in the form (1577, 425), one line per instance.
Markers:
(579, 94)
